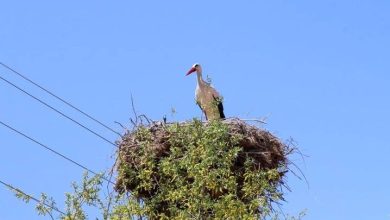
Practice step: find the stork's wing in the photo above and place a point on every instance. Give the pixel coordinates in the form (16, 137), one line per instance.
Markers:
(220, 109)
(219, 103)
(218, 100)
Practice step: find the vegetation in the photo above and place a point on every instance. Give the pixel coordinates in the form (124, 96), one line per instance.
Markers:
(192, 170)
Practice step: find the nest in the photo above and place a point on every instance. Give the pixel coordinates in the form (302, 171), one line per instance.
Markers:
(266, 150)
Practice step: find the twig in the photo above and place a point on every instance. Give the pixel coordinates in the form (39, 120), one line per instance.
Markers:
(281, 211)
(134, 112)
(123, 127)
(300, 171)
(133, 122)
(262, 121)
(146, 118)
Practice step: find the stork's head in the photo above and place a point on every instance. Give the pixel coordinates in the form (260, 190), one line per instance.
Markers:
(195, 68)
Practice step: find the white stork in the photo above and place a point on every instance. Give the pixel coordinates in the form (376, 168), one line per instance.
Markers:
(208, 99)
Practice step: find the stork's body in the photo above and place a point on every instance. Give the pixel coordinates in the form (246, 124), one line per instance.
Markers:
(207, 97)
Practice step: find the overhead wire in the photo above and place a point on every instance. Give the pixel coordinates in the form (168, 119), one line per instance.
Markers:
(54, 151)
(58, 111)
(59, 98)
(47, 147)
(31, 197)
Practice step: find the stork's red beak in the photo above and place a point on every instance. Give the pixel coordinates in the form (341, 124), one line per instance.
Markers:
(193, 69)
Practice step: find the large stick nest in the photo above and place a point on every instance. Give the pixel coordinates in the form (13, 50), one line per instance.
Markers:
(265, 149)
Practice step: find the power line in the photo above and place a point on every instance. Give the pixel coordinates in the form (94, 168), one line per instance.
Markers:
(31, 197)
(54, 151)
(59, 98)
(59, 112)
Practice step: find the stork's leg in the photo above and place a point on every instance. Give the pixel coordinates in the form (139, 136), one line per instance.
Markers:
(205, 115)
(202, 110)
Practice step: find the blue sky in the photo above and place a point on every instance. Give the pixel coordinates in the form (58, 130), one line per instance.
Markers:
(318, 69)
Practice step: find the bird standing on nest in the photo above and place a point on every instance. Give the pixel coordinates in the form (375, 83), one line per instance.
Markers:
(208, 99)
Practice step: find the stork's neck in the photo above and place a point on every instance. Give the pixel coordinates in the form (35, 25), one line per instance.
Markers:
(200, 79)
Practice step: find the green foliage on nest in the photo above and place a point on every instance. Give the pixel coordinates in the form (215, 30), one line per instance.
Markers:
(200, 178)
(191, 170)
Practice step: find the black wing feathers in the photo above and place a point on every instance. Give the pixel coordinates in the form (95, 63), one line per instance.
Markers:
(220, 109)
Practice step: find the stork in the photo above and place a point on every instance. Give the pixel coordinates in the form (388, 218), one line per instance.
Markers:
(208, 99)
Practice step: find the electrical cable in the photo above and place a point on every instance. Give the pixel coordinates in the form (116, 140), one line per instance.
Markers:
(59, 98)
(31, 197)
(59, 112)
(54, 151)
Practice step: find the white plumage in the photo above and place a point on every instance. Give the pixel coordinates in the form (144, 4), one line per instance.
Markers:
(207, 97)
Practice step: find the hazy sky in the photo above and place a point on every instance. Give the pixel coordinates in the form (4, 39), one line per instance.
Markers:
(319, 70)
